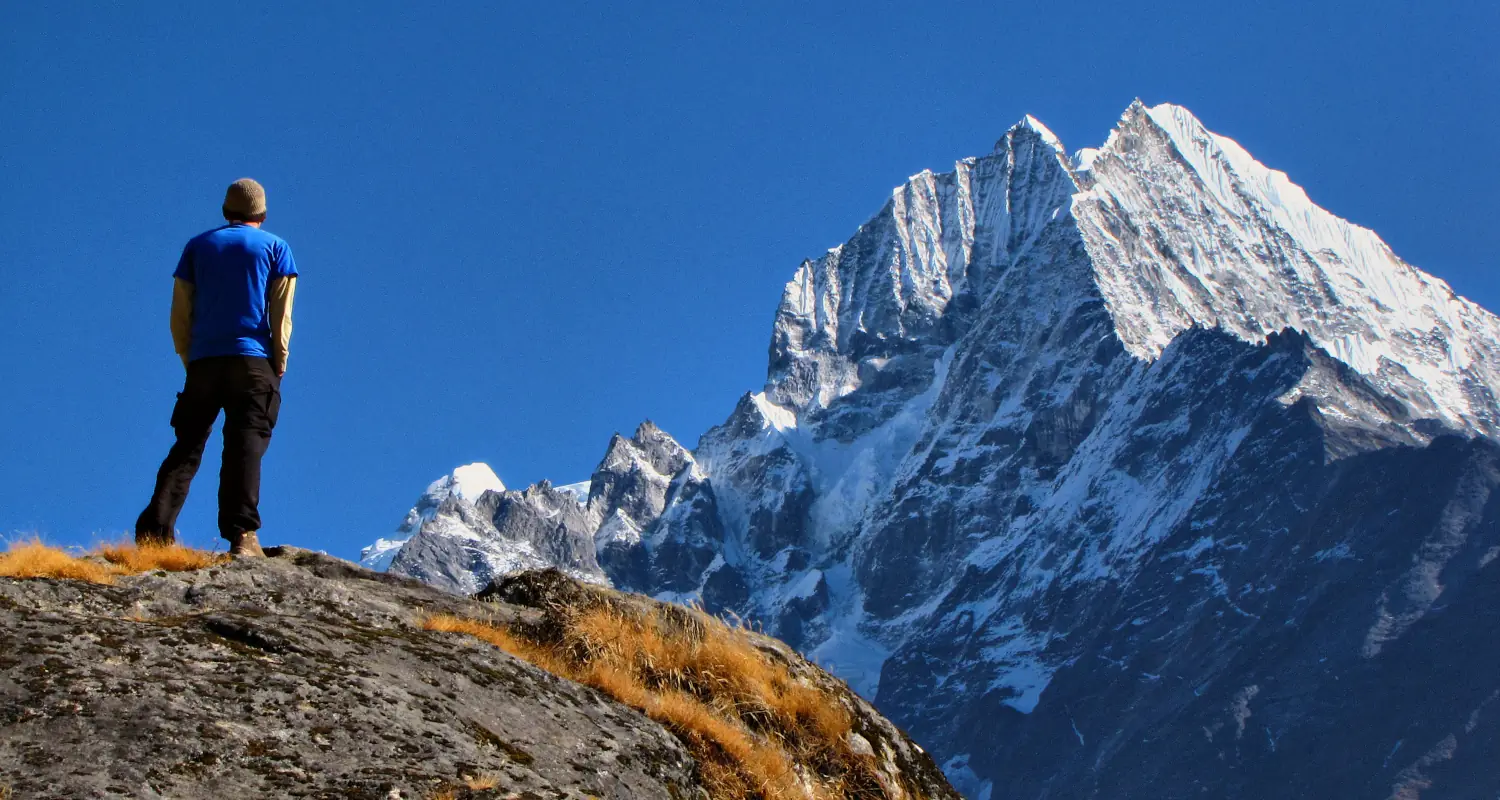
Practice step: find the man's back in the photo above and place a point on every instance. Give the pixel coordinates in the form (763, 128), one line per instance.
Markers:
(231, 269)
(231, 317)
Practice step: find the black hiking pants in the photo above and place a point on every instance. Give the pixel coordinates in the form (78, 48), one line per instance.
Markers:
(247, 390)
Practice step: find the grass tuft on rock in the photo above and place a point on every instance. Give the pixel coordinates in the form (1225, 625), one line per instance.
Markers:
(33, 559)
(754, 728)
(133, 560)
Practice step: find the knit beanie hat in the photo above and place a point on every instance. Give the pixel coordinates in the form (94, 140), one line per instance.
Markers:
(245, 198)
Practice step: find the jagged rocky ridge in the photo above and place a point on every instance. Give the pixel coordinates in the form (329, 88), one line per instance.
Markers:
(467, 529)
(1123, 473)
(302, 675)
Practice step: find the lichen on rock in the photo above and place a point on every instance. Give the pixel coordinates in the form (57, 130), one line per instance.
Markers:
(300, 675)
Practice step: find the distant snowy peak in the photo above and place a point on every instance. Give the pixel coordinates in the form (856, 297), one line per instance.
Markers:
(379, 555)
(579, 491)
(632, 480)
(464, 485)
(1181, 227)
(1185, 228)
(469, 482)
(1031, 124)
(1236, 179)
(468, 528)
(941, 243)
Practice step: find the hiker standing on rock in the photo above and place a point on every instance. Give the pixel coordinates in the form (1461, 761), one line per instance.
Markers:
(231, 324)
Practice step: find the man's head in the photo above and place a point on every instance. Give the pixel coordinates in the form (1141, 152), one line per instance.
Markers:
(245, 202)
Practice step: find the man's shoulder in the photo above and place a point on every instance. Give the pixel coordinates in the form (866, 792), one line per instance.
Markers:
(244, 233)
(267, 234)
(271, 240)
(207, 235)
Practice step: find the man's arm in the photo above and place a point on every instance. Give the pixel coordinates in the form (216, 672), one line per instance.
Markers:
(282, 292)
(182, 318)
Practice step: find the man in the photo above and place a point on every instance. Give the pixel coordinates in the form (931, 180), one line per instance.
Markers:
(231, 324)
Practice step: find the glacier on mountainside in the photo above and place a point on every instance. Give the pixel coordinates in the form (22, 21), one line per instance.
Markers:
(1124, 473)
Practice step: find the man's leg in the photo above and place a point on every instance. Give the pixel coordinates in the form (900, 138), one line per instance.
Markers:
(250, 411)
(193, 420)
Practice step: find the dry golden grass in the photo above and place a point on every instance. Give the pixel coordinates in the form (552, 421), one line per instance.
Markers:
(483, 782)
(450, 791)
(754, 728)
(32, 559)
(172, 558)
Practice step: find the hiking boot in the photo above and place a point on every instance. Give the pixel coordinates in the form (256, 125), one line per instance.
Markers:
(154, 539)
(245, 545)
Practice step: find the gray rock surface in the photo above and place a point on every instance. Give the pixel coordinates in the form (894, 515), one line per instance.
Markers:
(295, 676)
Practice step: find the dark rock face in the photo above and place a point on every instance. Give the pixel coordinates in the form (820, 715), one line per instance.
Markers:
(297, 676)
(636, 474)
(661, 524)
(1296, 585)
(1326, 641)
(549, 520)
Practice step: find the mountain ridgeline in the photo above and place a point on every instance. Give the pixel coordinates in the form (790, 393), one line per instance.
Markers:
(1123, 473)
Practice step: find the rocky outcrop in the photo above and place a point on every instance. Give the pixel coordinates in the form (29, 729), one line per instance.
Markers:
(901, 770)
(299, 676)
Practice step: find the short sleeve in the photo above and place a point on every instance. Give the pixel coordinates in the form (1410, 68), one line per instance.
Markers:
(184, 269)
(285, 266)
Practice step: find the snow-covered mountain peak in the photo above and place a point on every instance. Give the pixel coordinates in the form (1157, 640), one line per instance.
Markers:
(1031, 124)
(885, 297)
(651, 449)
(469, 482)
(1185, 228)
(649, 434)
(1229, 171)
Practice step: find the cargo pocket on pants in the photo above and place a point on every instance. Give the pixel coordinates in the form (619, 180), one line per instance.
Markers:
(178, 411)
(261, 409)
(273, 407)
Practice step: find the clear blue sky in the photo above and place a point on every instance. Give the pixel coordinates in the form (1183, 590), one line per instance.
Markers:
(523, 226)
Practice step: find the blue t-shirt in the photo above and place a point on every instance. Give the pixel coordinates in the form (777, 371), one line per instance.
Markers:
(230, 269)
